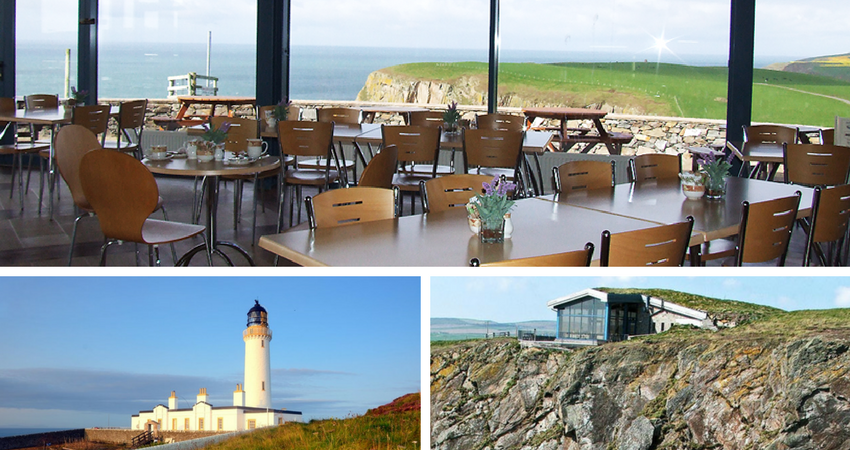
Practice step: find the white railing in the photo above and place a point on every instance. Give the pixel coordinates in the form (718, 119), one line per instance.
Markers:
(188, 85)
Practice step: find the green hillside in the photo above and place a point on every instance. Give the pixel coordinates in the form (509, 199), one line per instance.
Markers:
(647, 88)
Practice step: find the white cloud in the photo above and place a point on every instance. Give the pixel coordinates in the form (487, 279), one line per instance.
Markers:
(842, 297)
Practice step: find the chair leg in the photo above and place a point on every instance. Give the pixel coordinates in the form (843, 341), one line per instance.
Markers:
(173, 250)
(103, 249)
(254, 210)
(40, 183)
(74, 237)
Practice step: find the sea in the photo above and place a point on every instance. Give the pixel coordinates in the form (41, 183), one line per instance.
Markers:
(5, 432)
(141, 70)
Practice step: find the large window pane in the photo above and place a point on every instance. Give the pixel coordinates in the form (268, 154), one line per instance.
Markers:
(45, 29)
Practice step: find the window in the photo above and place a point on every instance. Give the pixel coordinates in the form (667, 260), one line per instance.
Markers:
(186, 424)
(252, 424)
(582, 320)
(173, 424)
(264, 385)
(220, 424)
(262, 343)
(200, 424)
(280, 420)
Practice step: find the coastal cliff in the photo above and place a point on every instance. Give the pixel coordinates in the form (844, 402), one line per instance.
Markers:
(780, 382)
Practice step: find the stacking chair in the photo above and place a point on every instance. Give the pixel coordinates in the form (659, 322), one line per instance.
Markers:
(816, 165)
(493, 153)
(339, 116)
(380, 170)
(418, 148)
(353, 205)
(451, 191)
(578, 258)
(829, 224)
(123, 194)
(827, 136)
(131, 124)
(654, 166)
(659, 246)
(498, 121)
(769, 134)
(309, 140)
(581, 175)
(36, 102)
(765, 230)
(433, 119)
(17, 149)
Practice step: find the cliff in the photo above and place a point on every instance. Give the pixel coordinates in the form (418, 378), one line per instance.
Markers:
(779, 382)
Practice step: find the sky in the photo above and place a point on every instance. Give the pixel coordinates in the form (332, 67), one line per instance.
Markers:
(86, 352)
(637, 27)
(517, 299)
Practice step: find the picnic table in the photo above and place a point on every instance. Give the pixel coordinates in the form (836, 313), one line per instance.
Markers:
(569, 137)
(182, 120)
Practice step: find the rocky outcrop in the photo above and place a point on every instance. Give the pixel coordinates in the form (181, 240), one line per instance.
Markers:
(685, 389)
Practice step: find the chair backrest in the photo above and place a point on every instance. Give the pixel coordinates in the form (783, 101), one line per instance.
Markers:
(72, 142)
(122, 192)
(431, 119)
(339, 207)
(349, 116)
(240, 131)
(36, 102)
(499, 121)
(765, 230)
(451, 191)
(302, 138)
(94, 117)
(7, 104)
(416, 144)
(578, 258)
(131, 114)
(492, 148)
(658, 246)
(830, 213)
(580, 175)
(816, 165)
(770, 134)
(653, 166)
(380, 170)
(827, 136)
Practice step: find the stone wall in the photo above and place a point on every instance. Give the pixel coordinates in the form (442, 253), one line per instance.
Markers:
(124, 436)
(41, 439)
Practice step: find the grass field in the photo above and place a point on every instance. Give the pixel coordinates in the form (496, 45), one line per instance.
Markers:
(647, 88)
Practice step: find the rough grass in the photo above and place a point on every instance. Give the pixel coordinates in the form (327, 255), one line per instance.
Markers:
(712, 306)
(663, 89)
(395, 426)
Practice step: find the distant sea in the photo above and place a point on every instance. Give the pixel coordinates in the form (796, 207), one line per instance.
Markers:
(326, 73)
(5, 432)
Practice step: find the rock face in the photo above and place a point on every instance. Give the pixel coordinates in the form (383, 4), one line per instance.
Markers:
(701, 390)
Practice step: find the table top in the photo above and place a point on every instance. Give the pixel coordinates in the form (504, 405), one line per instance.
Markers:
(749, 152)
(663, 202)
(50, 116)
(390, 109)
(193, 168)
(220, 99)
(443, 239)
(565, 113)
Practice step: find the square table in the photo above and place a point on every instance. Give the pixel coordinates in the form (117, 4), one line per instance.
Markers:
(541, 227)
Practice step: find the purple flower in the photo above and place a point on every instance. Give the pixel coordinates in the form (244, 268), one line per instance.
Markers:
(488, 188)
(505, 187)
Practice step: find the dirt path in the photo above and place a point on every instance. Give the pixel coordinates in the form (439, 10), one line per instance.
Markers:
(805, 92)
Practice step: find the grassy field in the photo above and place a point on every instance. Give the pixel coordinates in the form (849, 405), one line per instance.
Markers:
(395, 426)
(647, 88)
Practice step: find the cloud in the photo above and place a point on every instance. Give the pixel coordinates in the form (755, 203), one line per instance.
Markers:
(842, 297)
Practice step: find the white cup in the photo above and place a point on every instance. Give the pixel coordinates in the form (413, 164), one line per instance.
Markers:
(158, 151)
(192, 150)
(257, 148)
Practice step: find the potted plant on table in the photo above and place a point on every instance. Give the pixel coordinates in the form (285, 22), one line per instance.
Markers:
(451, 118)
(213, 140)
(492, 208)
(715, 169)
(77, 98)
(277, 114)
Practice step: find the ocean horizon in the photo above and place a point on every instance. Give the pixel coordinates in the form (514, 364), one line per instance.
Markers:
(6, 432)
(141, 70)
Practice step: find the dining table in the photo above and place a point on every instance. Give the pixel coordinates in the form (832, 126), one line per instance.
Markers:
(369, 112)
(183, 120)
(212, 171)
(765, 157)
(541, 227)
(569, 137)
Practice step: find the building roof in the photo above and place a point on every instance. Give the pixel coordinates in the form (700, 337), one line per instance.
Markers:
(553, 304)
(649, 301)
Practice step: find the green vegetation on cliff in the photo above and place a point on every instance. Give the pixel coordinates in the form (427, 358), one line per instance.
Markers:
(647, 88)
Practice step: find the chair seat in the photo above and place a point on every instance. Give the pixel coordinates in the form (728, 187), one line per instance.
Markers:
(717, 249)
(426, 169)
(314, 163)
(314, 177)
(125, 146)
(493, 172)
(409, 182)
(162, 232)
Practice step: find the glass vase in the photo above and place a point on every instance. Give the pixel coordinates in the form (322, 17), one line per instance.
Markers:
(715, 187)
(492, 231)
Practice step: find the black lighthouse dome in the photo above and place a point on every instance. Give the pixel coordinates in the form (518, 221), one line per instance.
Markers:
(257, 315)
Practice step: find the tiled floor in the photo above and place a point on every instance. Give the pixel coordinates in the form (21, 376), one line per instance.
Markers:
(30, 239)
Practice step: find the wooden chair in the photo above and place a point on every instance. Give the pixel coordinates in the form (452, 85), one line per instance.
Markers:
(816, 165)
(339, 116)
(418, 148)
(493, 153)
(765, 230)
(17, 149)
(653, 166)
(581, 175)
(451, 191)
(380, 170)
(353, 205)
(499, 121)
(310, 140)
(769, 134)
(37, 102)
(131, 124)
(829, 224)
(827, 136)
(659, 246)
(124, 193)
(578, 258)
(433, 119)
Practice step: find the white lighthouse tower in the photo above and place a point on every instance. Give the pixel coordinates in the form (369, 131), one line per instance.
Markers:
(257, 386)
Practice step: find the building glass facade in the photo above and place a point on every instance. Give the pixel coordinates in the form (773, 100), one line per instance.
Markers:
(584, 319)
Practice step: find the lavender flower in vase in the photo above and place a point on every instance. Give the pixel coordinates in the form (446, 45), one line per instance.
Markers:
(493, 206)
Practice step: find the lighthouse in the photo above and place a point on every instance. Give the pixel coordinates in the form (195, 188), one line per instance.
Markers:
(257, 337)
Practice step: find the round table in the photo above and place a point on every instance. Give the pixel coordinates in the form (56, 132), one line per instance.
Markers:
(211, 171)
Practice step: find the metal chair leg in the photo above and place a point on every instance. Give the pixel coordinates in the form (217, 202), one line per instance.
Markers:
(173, 250)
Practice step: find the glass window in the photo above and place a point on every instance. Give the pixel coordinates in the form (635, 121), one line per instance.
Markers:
(186, 424)
(252, 424)
(220, 423)
(200, 423)
(45, 30)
